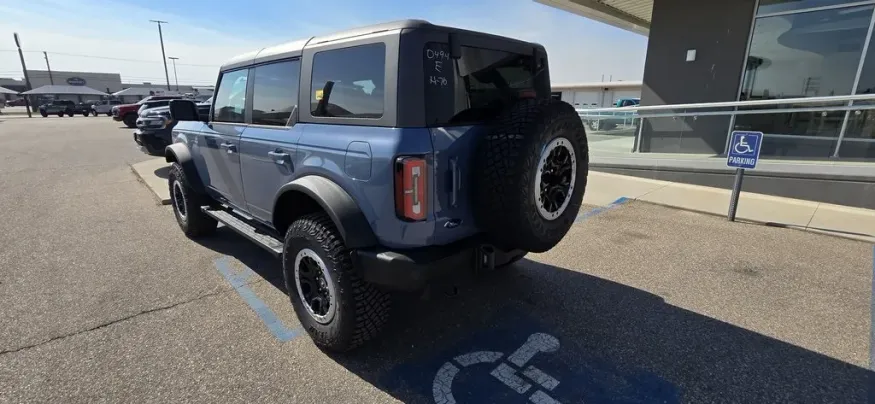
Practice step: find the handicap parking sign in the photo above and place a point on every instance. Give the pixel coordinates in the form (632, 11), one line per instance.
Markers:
(744, 149)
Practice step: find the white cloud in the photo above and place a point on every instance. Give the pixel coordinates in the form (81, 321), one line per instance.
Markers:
(579, 50)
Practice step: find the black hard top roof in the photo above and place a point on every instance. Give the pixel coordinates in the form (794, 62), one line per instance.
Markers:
(294, 48)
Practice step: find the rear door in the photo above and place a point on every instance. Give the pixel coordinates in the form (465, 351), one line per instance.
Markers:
(463, 96)
(220, 140)
(268, 145)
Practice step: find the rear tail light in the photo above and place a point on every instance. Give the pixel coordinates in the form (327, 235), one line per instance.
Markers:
(411, 195)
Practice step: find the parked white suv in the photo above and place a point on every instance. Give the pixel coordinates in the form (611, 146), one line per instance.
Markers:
(104, 107)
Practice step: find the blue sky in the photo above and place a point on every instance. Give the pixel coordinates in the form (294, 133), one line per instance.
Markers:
(205, 33)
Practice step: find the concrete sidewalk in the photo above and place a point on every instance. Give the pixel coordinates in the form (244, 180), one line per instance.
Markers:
(603, 189)
(153, 173)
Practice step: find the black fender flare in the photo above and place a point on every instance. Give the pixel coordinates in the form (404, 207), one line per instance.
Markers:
(338, 204)
(179, 153)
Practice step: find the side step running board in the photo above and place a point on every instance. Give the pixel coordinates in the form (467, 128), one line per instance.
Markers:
(238, 224)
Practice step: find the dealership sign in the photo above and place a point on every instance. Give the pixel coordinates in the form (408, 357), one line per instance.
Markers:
(76, 81)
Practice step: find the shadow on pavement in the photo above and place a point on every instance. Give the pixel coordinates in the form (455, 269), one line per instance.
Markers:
(229, 243)
(617, 344)
(163, 172)
(491, 342)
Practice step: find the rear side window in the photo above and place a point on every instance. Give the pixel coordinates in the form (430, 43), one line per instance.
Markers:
(231, 97)
(349, 82)
(477, 86)
(275, 92)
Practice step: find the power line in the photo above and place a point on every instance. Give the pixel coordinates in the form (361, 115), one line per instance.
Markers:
(44, 74)
(109, 58)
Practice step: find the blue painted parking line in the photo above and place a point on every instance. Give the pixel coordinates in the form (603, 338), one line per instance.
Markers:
(621, 200)
(239, 282)
(517, 359)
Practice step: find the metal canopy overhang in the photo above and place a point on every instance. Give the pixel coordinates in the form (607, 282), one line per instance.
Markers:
(4, 90)
(144, 91)
(67, 90)
(631, 15)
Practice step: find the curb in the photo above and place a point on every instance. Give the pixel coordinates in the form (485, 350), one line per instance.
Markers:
(141, 180)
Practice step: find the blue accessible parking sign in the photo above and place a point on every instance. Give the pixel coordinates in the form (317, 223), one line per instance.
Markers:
(744, 149)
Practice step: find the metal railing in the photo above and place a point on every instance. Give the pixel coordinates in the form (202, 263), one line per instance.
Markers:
(629, 121)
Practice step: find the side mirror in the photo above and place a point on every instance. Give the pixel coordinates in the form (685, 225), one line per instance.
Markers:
(183, 110)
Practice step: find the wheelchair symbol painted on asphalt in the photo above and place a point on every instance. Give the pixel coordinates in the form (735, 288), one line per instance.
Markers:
(442, 388)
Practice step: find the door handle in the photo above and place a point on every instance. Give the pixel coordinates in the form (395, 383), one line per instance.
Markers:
(230, 147)
(278, 157)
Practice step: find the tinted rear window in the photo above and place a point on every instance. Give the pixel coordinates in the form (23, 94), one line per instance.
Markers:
(357, 75)
(476, 87)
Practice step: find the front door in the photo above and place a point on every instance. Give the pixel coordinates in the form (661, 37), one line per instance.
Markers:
(222, 141)
(268, 146)
(221, 137)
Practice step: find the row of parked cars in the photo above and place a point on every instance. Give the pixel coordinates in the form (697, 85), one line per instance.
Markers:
(151, 117)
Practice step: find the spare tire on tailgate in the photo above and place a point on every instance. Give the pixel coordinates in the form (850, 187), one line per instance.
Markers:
(529, 175)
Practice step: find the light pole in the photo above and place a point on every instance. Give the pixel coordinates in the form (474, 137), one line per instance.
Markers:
(23, 70)
(163, 57)
(175, 77)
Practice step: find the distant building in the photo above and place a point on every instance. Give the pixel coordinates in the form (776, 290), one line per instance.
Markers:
(597, 94)
(107, 82)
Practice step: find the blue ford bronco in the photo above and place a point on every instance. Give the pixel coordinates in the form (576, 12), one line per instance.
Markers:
(379, 159)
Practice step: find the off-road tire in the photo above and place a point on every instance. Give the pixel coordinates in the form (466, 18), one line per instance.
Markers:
(60, 114)
(130, 120)
(511, 261)
(70, 113)
(361, 309)
(44, 114)
(505, 166)
(194, 222)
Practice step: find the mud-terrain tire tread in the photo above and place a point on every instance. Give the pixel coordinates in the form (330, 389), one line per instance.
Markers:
(505, 164)
(197, 223)
(367, 305)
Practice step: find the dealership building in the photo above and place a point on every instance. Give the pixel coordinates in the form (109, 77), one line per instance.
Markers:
(800, 71)
(748, 50)
(106, 82)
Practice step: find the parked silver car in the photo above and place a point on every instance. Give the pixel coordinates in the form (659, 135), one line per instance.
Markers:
(104, 107)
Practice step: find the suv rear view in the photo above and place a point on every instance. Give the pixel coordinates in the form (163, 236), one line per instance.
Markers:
(380, 159)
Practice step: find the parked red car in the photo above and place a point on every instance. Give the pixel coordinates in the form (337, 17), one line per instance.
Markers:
(127, 113)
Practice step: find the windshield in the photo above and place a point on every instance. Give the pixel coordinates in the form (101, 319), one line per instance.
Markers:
(477, 86)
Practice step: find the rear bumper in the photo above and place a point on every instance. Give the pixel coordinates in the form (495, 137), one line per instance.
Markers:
(413, 269)
(152, 141)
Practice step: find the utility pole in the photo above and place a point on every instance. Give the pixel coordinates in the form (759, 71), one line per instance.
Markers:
(175, 77)
(26, 78)
(51, 80)
(163, 56)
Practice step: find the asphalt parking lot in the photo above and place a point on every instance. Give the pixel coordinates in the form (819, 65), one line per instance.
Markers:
(102, 299)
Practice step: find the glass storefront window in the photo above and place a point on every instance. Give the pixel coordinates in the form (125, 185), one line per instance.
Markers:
(811, 54)
(801, 55)
(778, 6)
